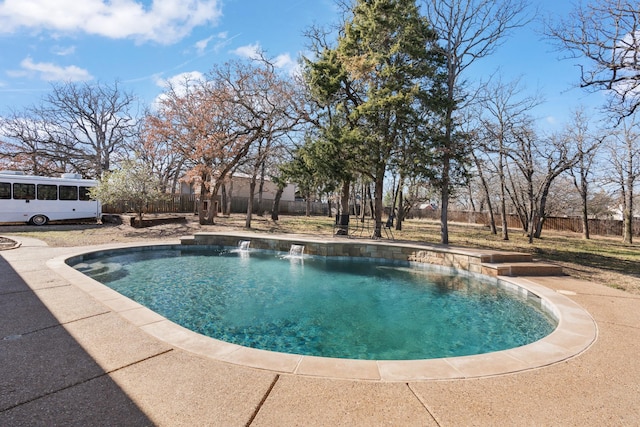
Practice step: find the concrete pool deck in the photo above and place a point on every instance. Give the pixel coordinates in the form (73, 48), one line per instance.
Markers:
(68, 359)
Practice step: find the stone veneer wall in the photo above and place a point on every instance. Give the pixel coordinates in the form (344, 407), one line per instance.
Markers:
(459, 259)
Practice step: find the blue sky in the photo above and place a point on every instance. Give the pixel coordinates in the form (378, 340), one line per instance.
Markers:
(143, 43)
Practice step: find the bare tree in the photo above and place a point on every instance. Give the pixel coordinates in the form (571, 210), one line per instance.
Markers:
(624, 156)
(215, 122)
(607, 34)
(540, 161)
(158, 153)
(79, 127)
(470, 30)
(587, 145)
(503, 113)
(23, 146)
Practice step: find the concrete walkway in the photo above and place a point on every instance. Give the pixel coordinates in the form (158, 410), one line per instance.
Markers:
(67, 359)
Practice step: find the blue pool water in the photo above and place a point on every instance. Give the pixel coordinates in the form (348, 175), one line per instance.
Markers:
(323, 307)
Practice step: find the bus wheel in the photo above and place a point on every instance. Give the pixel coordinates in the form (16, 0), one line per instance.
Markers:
(39, 220)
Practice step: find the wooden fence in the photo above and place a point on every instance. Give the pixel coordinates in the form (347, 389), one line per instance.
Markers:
(187, 204)
(601, 227)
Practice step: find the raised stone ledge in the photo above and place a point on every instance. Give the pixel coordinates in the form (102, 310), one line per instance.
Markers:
(491, 263)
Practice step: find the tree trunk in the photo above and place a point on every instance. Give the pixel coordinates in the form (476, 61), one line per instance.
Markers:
(372, 208)
(261, 190)
(503, 199)
(343, 213)
(252, 190)
(224, 199)
(400, 216)
(627, 225)
(542, 208)
(627, 218)
(202, 201)
(585, 212)
(444, 192)
(276, 204)
(230, 196)
(485, 187)
(212, 209)
(377, 207)
(532, 211)
(345, 195)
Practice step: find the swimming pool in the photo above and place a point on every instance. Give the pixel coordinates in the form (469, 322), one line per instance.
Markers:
(354, 309)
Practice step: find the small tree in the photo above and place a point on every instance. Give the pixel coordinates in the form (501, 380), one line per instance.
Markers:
(134, 183)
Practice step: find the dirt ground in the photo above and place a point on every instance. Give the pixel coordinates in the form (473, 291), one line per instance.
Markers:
(95, 234)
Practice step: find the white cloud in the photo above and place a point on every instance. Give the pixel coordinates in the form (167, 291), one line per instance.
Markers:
(250, 51)
(179, 84)
(63, 51)
(179, 81)
(219, 41)
(201, 45)
(254, 51)
(51, 72)
(164, 21)
(285, 62)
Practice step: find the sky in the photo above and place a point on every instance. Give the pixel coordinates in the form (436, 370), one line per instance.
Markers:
(145, 43)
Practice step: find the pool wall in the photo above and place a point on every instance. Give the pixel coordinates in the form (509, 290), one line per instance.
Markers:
(486, 262)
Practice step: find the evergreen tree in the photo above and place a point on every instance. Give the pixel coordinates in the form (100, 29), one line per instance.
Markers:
(385, 77)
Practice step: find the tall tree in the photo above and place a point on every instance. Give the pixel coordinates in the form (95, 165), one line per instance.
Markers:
(625, 159)
(78, 126)
(540, 161)
(469, 30)
(214, 122)
(388, 56)
(587, 144)
(333, 95)
(197, 121)
(605, 33)
(502, 114)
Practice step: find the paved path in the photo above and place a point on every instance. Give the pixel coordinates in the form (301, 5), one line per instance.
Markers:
(66, 359)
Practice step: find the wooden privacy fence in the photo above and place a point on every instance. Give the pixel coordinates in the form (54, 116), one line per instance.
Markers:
(187, 203)
(601, 227)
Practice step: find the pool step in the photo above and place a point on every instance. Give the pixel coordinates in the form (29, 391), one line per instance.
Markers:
(188, 240)
(505, 257)
(522, 269)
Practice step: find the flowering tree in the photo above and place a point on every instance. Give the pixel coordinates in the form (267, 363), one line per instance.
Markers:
(133, 183)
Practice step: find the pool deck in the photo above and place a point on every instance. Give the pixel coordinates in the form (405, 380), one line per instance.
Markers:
(67, 358)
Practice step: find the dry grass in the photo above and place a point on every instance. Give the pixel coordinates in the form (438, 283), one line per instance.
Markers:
(600, 259)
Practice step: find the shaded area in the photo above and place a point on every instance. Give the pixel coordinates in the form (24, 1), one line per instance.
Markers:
(47, 377)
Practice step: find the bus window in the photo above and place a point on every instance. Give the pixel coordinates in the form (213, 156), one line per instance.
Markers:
(47, 192)
(5, 190)
(68, 192)
(24, 191)
(84, 193)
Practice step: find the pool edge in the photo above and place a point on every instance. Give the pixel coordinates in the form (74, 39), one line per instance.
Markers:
(575, 333)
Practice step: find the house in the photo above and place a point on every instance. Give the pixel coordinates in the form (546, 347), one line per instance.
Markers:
(241, 184)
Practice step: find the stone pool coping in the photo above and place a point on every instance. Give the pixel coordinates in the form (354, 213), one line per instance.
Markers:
(575, 333)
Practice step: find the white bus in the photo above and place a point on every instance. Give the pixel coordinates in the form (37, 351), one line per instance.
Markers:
(38, 200)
